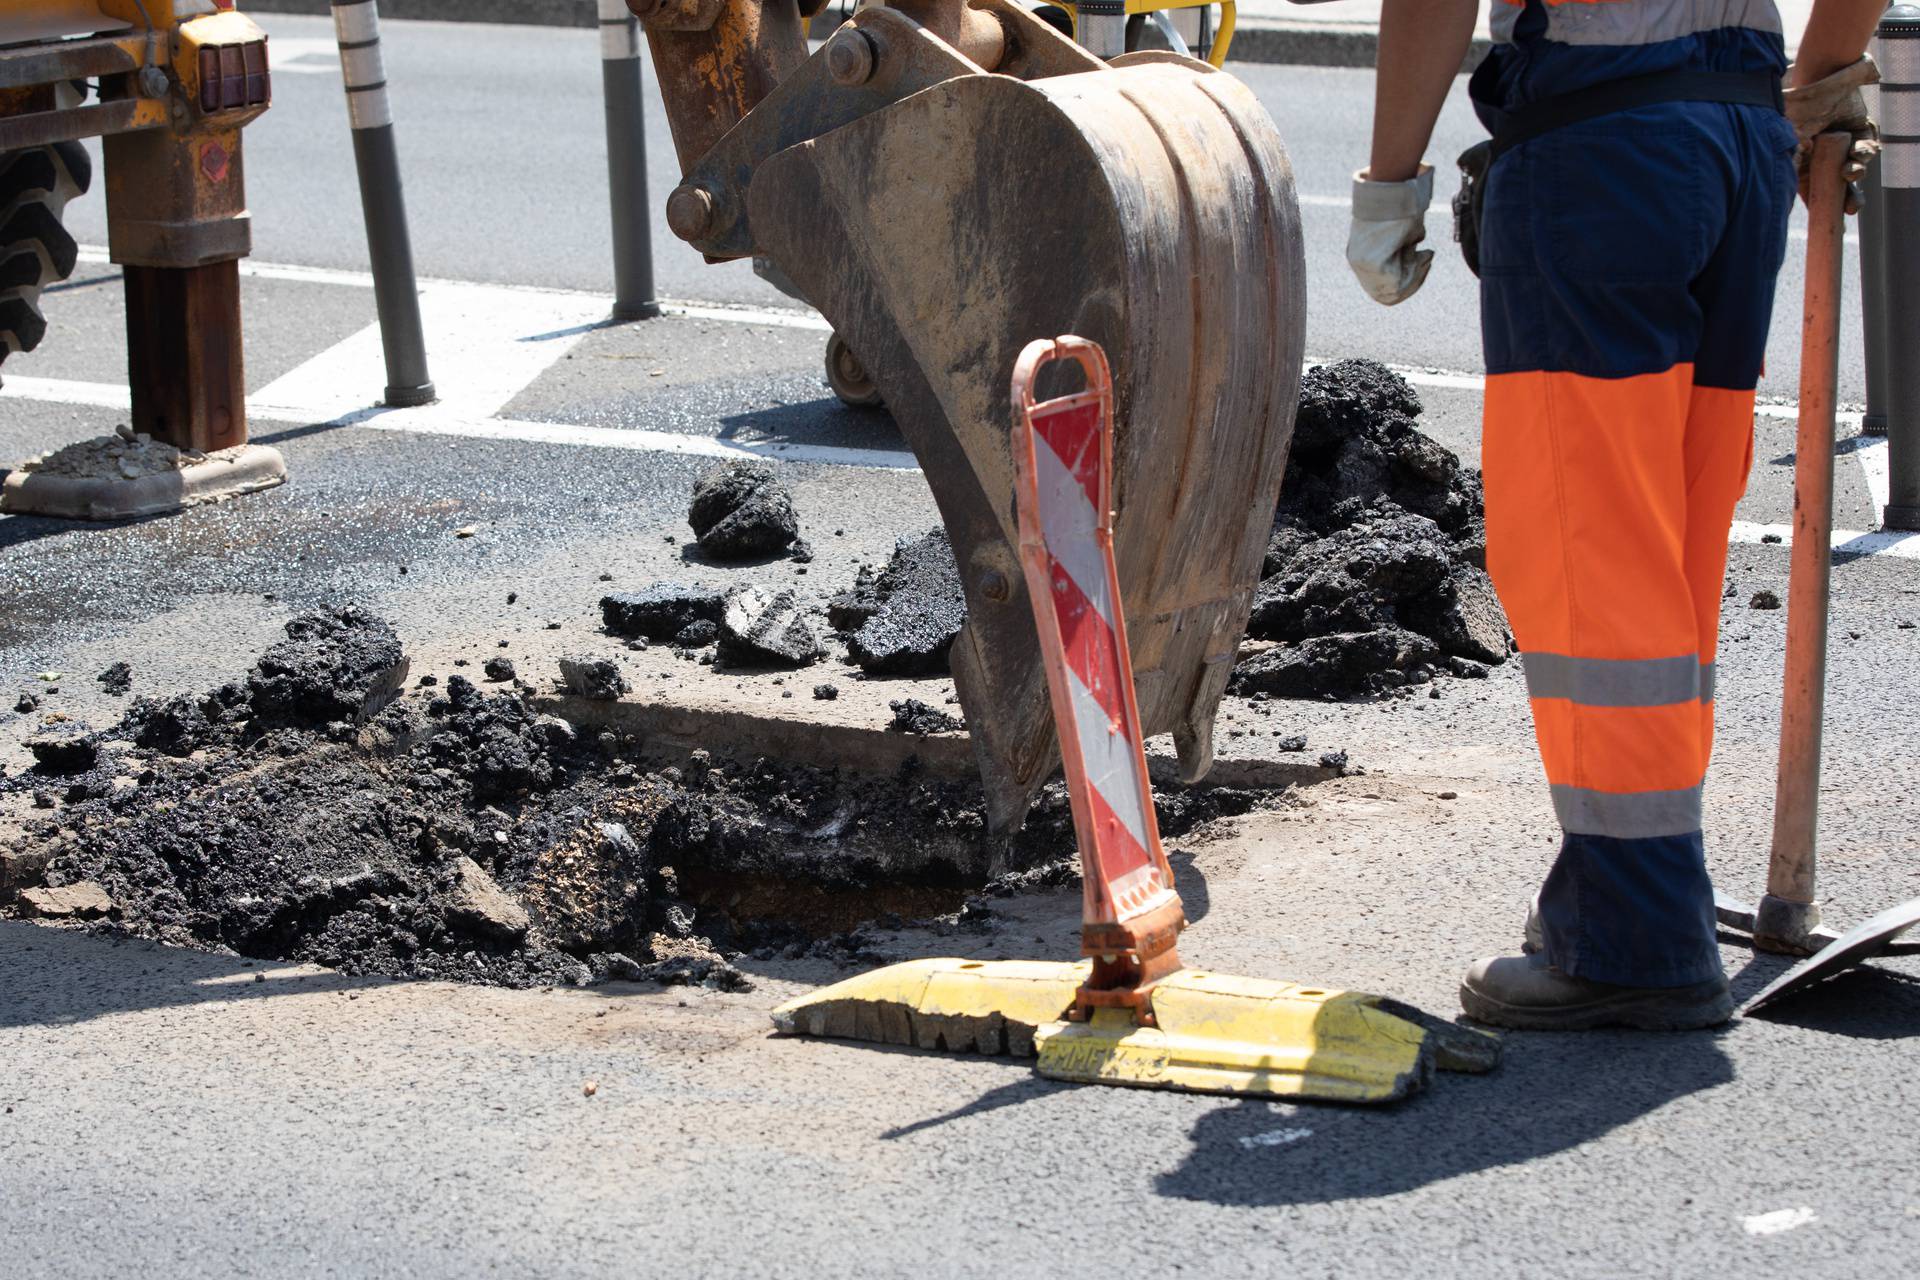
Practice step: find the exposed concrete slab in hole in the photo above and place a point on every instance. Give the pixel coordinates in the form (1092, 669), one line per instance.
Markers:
(679, 707)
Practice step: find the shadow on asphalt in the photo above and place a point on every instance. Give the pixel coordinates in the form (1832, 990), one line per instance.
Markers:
(1026, 1089)
(815, 422)
(1191, 884)
(56, 977)
(17, 531)
(1553, 1093)
(1863, 1003)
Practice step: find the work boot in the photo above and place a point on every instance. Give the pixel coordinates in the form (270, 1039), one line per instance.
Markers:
(1535, 939)
(1528, 994)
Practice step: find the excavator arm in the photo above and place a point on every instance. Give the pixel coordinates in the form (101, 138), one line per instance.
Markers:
(946, 180)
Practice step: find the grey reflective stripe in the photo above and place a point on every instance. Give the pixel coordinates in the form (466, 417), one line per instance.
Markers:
(1618, 682)
(1634, 22)
(1631, 815)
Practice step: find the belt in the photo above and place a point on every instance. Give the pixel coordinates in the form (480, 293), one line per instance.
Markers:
(1740, 88)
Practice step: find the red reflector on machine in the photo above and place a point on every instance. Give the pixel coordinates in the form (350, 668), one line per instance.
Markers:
(234, 76)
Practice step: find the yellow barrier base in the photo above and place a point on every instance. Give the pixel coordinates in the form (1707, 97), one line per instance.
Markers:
(1212, 1033)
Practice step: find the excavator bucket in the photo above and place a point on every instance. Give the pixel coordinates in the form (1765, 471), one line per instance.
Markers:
(944, 181)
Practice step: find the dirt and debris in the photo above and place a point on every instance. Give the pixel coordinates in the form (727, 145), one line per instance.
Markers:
(499, 670)
(590, 677)
(63, 750)
(82, 901)
(1375, 575)
(342, 664)
(117, 679)
(697, 634)
(478, 906)
(825, 692)
(26, 704)
(457, 833)
(662, 611)
(903, 620)
(1764, 599)
(910, 715)
(126, 455)
(743, 511)
(761, 628)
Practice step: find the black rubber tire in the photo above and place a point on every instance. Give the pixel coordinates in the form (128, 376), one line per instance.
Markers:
(36, 250)
(848, 377)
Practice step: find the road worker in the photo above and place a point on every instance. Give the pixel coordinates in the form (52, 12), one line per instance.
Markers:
(1630, 229)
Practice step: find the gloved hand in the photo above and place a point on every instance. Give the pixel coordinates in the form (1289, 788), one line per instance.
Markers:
(1835, 104)
(1389, 220)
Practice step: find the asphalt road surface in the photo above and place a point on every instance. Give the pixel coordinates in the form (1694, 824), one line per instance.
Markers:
(164, 1112)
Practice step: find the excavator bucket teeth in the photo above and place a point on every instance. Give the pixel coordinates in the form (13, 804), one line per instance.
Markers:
(1210, 1032)
(1149, 208)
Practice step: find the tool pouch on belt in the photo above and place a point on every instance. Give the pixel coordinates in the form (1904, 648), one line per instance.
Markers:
(1741, 88)
(1470, 202)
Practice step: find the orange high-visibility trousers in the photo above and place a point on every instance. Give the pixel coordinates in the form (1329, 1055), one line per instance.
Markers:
(1628, 269)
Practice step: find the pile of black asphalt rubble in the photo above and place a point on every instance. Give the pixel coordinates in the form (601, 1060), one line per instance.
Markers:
(325, 809)
(1375, 577)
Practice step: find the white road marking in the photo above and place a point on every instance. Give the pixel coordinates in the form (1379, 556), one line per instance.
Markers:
(795, 317)
(92, 395)
(750, 315)
(483, 350)
(1872, 452)
(435, 420)
(426, 422)
(487, 342)
(1899, 546)
(1772, 1224)
(303, 56)
(1274, 1138)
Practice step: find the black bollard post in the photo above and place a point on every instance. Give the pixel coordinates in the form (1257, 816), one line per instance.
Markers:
(1873, 299)
(627, 163)
(396, 295)
(1897, 49)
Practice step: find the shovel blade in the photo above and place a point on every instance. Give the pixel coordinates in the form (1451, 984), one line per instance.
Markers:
(1865, 940)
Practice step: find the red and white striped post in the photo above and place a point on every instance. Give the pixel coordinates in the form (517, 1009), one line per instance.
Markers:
(1063, 452)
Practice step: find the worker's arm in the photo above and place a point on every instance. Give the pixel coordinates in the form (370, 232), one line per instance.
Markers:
(1836, 36)
(1824, 83)
(1422, 44)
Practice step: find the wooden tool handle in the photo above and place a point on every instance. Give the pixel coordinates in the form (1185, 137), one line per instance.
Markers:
(1790, 871)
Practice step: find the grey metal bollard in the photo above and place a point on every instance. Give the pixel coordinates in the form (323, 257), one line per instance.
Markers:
(633, 297)
(396, 294)
(1897, 49)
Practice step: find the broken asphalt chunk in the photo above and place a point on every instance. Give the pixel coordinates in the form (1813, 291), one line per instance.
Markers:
(765, 628)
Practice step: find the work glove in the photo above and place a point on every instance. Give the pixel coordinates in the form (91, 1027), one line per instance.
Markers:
(1389, 220)
(1836, 105)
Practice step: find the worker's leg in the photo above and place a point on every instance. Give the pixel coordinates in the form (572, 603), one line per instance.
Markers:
(1596, 235)
(1736, 291)
(1719, 455)
(1586, 524)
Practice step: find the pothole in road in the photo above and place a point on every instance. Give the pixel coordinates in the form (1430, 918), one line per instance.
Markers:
(326, 809)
